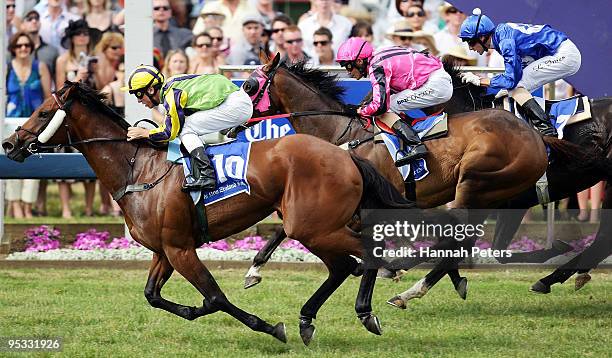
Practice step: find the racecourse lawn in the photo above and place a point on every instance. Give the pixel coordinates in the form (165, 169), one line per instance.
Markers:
(104, 313)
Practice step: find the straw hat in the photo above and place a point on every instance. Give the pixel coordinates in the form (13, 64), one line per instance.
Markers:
(444, 7)
(460, 52)
(402, 28)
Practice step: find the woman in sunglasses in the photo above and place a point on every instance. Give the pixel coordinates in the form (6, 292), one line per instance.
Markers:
(195, 105)
(533, 56)
(402, 79)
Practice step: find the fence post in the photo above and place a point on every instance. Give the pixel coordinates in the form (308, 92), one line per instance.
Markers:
(550, 210)
(2, 115)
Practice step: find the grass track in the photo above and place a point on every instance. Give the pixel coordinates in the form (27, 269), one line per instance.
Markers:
(104, 313)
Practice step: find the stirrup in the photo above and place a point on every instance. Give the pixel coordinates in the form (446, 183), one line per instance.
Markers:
(417, 152)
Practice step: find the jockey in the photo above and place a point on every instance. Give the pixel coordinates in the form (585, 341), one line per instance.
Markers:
(402, 79)
(533, 55)
(195, 105)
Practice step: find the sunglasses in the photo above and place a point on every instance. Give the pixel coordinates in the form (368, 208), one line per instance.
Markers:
(164, 8)
(453, 10)
(320, 43)
(82, 33)
(217, 38)
(472, 42)
(275, 31)
(404, 38)
(32, 18)
(207, 45)
(291, 42)
(8, 6)
(139, 94)
(23, 45)
(115, 48)
(420, 13)
(349, 65)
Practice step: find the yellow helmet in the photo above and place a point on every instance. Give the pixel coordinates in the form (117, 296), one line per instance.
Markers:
(143, 77)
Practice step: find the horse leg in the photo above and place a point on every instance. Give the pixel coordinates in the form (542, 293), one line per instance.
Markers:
(363, 303)
(508, 222)
(340, 267)
(589, 258)
(253, 277)
(187, 263)
(159, 273)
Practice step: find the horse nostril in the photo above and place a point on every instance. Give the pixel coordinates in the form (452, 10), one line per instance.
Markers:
(7, 146)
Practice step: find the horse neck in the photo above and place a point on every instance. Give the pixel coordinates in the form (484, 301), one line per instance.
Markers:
(109, 160)
(326, 127)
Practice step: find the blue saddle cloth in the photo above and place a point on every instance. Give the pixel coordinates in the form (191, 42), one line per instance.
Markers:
(230, 159)
(561, 111)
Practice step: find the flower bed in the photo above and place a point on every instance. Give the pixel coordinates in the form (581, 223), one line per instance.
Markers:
(43, 243)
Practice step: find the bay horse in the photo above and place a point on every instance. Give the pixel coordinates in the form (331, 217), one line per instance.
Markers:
(459, 163)
(316, 186)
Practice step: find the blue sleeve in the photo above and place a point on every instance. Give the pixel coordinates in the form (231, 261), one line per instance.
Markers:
(514, 70)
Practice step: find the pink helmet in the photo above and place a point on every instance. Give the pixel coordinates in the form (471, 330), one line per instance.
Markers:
(353, 49)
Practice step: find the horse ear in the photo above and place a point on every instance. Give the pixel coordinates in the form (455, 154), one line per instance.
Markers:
(66, 91)
(276, 60)
(263, 56)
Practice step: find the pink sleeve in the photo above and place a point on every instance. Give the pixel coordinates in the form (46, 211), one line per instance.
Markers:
(381, 90)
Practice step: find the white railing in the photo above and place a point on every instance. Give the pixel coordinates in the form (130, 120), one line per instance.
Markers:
(249, 68)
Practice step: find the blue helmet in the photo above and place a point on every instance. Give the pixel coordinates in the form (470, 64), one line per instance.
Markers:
(476, 25)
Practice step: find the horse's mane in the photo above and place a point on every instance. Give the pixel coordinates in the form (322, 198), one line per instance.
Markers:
(96, 100)
(325, 82)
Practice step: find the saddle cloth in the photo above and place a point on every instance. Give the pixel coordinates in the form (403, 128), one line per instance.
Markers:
(562, 112)
(230, 159)
(427, 128)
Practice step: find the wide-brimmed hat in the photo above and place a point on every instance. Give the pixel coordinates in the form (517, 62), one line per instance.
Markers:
(460, 52)
(402, 28)
(75, 27)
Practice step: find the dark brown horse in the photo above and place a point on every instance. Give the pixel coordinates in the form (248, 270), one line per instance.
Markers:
(316, 186)
(487, 158)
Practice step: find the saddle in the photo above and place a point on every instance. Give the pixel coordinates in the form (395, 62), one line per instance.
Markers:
(567, 111)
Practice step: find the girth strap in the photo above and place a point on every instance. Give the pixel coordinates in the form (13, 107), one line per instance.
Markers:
(132, 188)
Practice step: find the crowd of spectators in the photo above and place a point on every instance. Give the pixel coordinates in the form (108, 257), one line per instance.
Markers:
(51, 41)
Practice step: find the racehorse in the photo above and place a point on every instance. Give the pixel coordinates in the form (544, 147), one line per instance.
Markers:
(316, 186)
(488, 157)
(316, 95)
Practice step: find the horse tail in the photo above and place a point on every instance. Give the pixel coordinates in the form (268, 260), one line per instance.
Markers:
(578, 158)
(378, 192)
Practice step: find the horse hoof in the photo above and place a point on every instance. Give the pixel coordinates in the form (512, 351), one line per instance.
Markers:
(562, 247)
(540, 287)
(251, 281)
(307, 333)
(384, 273)
(279, 332)
(581, 280)
(398, 302)
(462, 288)
(371, 323)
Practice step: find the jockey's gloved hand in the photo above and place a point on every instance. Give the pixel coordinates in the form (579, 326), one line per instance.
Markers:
(351, 110)
(469, 77)
(501, 93)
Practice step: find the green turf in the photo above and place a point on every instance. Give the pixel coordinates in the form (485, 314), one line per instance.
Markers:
(103, 313)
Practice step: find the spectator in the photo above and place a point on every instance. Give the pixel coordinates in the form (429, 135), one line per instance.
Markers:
(205, 61)
(323, 16)
(212, 19)
(13, 22)
(28, 82)
(364, 30)
(176, 63)
(98, 15)
(166, 36)
(415, 15)
(448, 37)
(77, 65)
(110, 53)
(234, 12)
(400, 9)
(54, 20)
(322, 42)
(246, 52)
(267, 13)
(403, 35)
(294, 44)
(279, 24)
(116, 98)
(220, 46)
(42, 51)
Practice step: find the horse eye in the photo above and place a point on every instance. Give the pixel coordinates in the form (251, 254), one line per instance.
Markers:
(43, 114)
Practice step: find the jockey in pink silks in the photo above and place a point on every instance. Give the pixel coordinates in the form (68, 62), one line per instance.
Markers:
(402, 79)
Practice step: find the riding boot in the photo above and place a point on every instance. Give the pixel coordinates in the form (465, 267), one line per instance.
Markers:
(538, 118)
(410, 138)
(203, 172)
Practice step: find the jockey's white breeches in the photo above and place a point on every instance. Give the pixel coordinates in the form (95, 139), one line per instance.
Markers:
(236, 109)
(565, 62)
(438, 89)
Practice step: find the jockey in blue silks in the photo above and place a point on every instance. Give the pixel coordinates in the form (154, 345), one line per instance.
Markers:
(533, 56)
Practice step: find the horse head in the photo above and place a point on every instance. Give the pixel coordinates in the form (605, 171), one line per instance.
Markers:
(67, 108)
